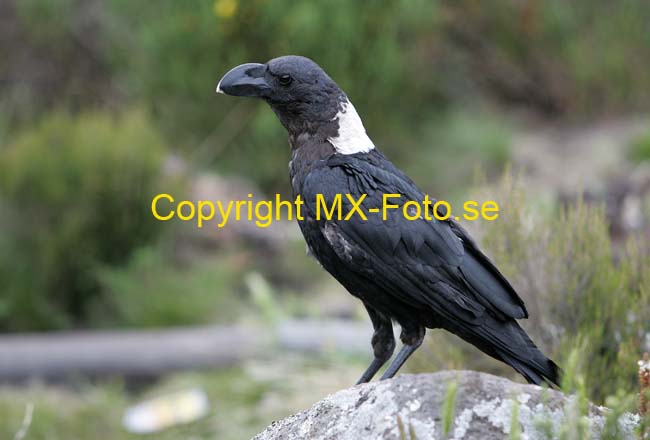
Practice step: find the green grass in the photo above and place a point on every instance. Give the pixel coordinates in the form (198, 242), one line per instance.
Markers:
(243, 401)
(448, 408)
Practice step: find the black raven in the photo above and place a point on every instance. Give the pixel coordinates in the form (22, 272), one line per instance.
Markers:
(420, 273)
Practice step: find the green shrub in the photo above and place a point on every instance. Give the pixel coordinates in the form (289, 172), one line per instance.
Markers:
(639, 148)
(557, 57)
(75, 195)
(578, 294)
(53, 58)
(153, 291)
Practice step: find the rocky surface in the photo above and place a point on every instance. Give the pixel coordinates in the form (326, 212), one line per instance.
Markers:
(418, 407)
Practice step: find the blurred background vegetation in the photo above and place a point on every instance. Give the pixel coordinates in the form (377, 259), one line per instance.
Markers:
(105, 103)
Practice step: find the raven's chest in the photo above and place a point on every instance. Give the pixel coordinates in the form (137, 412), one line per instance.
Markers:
(322, 239)
(307, 154)
(335, 252)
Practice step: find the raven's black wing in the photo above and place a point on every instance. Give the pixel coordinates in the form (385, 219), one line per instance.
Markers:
(421, 262)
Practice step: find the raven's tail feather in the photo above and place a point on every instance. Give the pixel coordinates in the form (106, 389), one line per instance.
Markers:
(508, 342)
(549, 373)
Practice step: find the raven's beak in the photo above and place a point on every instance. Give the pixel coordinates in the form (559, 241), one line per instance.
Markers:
(245, 80)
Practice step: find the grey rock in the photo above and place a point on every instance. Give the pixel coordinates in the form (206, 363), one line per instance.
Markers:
(411, 407)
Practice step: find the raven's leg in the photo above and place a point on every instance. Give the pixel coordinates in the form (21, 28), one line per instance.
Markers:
(383, 343)
(412, 339)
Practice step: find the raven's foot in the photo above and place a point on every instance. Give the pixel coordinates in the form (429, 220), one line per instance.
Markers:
(383, 344)
(412, 339)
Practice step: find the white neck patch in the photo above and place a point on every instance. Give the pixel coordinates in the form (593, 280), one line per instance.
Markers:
(352, 137)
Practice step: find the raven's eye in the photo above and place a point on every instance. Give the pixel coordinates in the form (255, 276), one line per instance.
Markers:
(285, 80)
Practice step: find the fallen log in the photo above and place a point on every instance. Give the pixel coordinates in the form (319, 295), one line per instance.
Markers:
(154, 352)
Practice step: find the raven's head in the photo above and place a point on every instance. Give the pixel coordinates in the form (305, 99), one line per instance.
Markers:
(303, 96)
